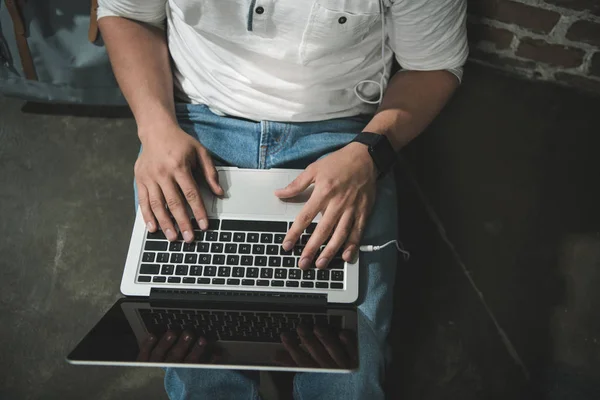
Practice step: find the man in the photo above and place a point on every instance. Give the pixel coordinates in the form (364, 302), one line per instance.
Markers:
(263, 84)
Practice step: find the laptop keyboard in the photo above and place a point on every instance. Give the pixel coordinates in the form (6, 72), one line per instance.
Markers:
(233, 325)
(236, 253)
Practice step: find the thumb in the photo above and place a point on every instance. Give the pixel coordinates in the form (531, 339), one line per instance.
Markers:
(209, 171)
(297, 186)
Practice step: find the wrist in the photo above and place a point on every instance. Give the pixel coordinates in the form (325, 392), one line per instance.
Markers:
(360, 153)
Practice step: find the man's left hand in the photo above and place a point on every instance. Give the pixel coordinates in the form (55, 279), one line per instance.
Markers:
(344, 191)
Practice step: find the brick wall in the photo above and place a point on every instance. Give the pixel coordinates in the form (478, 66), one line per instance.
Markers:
(554, 40)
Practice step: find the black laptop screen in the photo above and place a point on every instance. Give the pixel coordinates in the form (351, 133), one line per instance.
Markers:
(133, 332)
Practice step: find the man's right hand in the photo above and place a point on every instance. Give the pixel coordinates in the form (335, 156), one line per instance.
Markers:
(164, 178)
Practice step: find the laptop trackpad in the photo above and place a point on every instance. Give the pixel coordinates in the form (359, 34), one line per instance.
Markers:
(249, 192)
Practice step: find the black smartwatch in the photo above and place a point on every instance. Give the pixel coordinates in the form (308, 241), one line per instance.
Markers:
(380, 149)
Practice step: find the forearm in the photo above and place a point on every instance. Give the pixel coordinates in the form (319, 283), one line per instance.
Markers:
(412, 100)
(140, 59)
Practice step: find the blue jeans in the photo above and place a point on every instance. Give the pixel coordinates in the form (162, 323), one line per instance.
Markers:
(266, 144)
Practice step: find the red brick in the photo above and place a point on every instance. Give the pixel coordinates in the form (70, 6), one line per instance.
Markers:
(501, 61)
(501, 38)
(529, 17)
(547, 53)
(584, 31)
(579, 5)
(579, 82)
(595, 67)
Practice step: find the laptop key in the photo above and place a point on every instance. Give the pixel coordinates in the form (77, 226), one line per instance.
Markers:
(238, 272)
(150, 269)
(276, 283)
(203, 281)
(162, 257)
(196, 270)
(239, 237)
(216, 248)
(280, 273)
(247, 282)
(158, 235)
(233, 260)
(311, 228)
(260, 261)
(148, 257)
(154, 245)
(305, 284)
(274, 262)
(252, 272)
(304, 239)
(175, 246)
(252, 238)
(246, 260)
(225, 271)
(232, 281)
(210, 270)
(190, 258)
(298, 250)
(176, 258)
(204, 259)
(167, 269)
(258, 249)
(225, 237)
(337, 275)
(295, 274)
(322, 285)
(308, 274)
(203, 247)
(219, 259)
(244, 249)
(278, 238)
(211, 236)
(336, 263)
(199, 235)
(266, 273)
(231, 248)
(266, 238)
(337, 285)
(218, 281)
(291, 284)
(181, 270)
(285, 252)
(144, 279)
(289, 261)
(159, 279)
(272, 250)
(189, 280)
(174, 279)
(189, 247)
(323, 275)
(262, 282)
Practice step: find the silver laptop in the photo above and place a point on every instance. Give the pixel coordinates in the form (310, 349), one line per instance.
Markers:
(236, 268)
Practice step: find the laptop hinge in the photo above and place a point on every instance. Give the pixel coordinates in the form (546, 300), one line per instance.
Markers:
(236, 296)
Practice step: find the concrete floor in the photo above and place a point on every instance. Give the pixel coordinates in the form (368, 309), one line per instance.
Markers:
(498, 206)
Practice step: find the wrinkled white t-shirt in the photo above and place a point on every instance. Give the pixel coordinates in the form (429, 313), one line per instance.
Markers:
(297, 60)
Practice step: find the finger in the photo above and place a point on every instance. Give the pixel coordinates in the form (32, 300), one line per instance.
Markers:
(297, 186)
(144, 201)
(338, 238)
(165, 343)
(208, 169)
(296, 353)
(353, 242)
(284, 359)
(146, 348)
(334, 346)
(192, 195)
(349, 340)
(308, 212)
(197, 352)
(178, 351)
(176, 205)
(321, 234)
(315, 348)
(157, 204)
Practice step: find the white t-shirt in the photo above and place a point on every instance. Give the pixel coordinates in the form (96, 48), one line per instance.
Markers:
(297, 60)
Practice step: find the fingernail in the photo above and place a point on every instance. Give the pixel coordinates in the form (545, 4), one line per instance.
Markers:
(322, 262)
(201, 341)
(287, 245)
(203, 224)
(186, 338)
(303, 262)
(169, 338)
(188, 236)
(170, 234)
(150, 226)
(152, 338)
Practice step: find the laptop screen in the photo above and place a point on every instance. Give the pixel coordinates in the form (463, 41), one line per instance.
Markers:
(134, 332)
